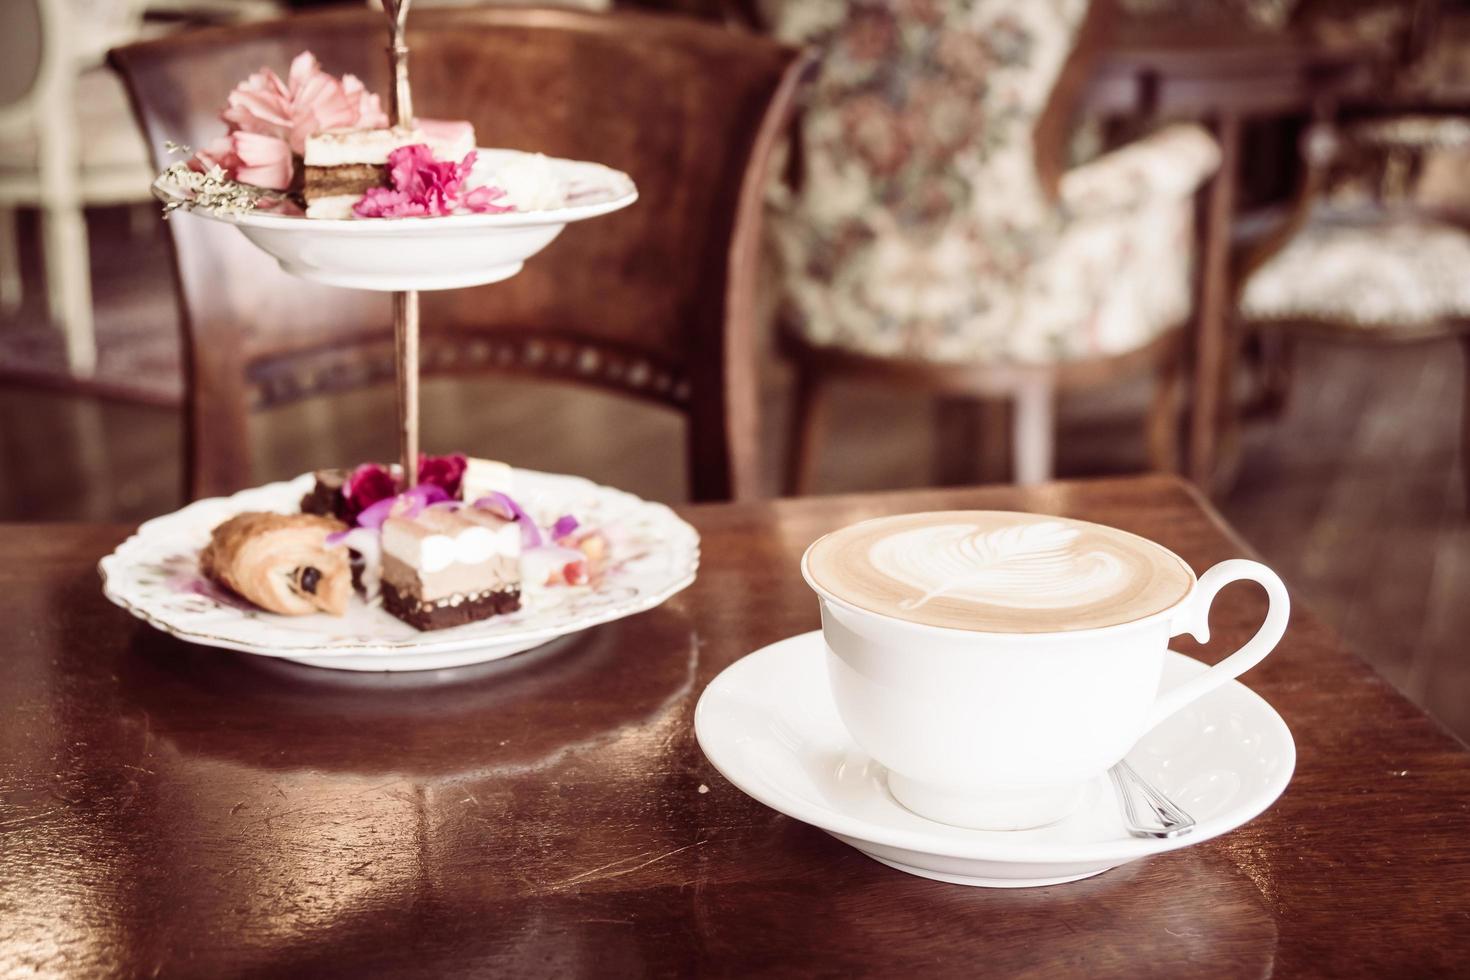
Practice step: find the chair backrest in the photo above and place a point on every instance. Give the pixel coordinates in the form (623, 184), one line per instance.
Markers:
(931, 144)
(45, 43)
(655, 301)
(33, 60)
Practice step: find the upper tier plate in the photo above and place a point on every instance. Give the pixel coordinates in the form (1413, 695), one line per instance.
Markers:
(155, 576)
(450, 252)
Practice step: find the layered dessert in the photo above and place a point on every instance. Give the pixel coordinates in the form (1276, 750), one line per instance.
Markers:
(453, 549)
(321, 144)
(340, 167)
(447, 566)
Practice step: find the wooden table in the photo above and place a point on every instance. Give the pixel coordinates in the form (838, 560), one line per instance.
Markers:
(173, 810)
(1223, 75)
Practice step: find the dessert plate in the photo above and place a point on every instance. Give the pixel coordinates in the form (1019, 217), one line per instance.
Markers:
(155, 576)
(769, 725)
(448, 252)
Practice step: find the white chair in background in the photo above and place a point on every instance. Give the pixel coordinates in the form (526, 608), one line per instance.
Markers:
(67, 141)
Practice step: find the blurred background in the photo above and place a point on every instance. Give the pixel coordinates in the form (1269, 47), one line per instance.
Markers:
(1000, 240)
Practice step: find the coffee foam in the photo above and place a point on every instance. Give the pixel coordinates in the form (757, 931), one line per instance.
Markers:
(998, 571)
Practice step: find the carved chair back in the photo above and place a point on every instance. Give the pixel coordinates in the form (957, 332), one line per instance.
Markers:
(654, 301)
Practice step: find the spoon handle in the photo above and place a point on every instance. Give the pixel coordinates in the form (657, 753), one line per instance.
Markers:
(1168, 819)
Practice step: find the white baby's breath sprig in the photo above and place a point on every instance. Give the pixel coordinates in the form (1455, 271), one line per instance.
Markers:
(210, 190)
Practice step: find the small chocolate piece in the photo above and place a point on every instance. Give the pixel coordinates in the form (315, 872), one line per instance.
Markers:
(325, 498)
(358, 562)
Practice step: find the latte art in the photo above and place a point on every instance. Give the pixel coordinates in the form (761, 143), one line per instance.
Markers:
(995, 571)
(1033, 566)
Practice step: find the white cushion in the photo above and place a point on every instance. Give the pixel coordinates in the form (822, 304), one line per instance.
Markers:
(1371, 269)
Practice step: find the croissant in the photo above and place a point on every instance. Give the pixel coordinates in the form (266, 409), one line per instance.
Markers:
(281, 562)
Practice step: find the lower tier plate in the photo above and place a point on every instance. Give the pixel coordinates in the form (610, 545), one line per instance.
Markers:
(155, 575)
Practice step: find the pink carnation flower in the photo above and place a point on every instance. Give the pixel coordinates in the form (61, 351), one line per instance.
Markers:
(250, 158)
(423, 186)
(269, 121)
(372, 483)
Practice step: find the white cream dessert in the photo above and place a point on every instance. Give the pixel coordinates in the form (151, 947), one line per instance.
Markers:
(482, 477)
(342, 166)
(449, 566)
(531, 181)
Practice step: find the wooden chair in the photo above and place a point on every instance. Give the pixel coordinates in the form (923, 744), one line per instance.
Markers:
(655, 301)
(934, 239)
(1357, 262)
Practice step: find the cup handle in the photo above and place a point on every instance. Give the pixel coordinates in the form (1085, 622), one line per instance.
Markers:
(1195, 620)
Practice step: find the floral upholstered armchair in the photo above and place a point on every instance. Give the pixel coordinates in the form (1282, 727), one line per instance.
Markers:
(929, 224)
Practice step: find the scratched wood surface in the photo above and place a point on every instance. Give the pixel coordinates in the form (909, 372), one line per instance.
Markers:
(172, 810)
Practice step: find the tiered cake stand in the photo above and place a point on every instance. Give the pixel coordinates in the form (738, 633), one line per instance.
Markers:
(404, 256)
(154, 573)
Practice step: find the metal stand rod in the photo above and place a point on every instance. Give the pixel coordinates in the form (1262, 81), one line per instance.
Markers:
(401, 96)
(405, 304)
(406, 351)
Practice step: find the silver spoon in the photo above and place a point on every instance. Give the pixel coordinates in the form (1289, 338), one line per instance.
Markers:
(1170, 820)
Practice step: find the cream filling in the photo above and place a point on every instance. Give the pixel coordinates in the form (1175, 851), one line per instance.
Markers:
(336, 206)
(436, 552)
(495, 575)
(372, 146)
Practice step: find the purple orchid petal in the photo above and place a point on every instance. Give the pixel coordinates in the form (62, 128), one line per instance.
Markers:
(530, 533)
(375, 515)
(407, 504)
(564, 526)
(495, 507)
(426, 494)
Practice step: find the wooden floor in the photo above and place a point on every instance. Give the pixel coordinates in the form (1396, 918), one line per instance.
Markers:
(1354, 494)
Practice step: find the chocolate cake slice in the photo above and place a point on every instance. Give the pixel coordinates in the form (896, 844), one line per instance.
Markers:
(447, 567)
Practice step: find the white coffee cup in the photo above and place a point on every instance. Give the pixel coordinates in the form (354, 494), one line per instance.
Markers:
(1004, 730)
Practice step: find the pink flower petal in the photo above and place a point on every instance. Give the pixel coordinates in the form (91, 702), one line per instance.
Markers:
(482, 201)
(365, 486)
(258, 112)
(381, 202)
(264, 161)
(445, 472)
(219, 153)
(308, 102)
(423, 186)
(303, 68)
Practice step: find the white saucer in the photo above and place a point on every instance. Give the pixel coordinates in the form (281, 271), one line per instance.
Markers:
(769, 725)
